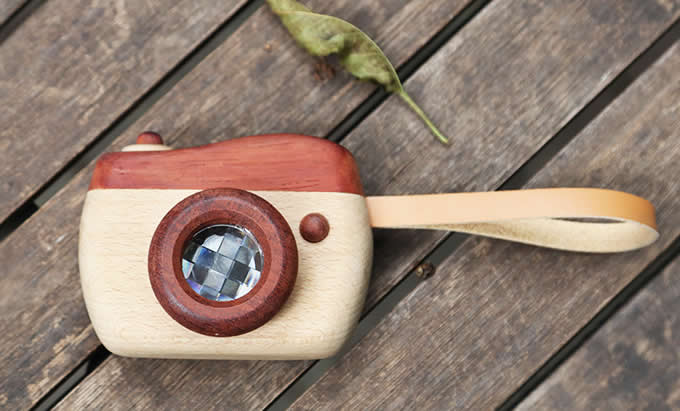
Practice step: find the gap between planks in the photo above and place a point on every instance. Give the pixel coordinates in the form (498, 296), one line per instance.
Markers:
(58, 392)
(17, 18)
(451, 242)
(127, 118)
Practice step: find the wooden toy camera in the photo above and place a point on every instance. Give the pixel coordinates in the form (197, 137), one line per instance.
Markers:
(264, 240)
(260, 247)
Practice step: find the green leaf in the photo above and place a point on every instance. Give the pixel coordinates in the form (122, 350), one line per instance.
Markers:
(322, 35)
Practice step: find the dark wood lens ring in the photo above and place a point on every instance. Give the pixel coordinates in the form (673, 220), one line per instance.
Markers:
(223, 206)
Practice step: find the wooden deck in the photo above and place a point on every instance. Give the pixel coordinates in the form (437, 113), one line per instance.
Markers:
(531, 93)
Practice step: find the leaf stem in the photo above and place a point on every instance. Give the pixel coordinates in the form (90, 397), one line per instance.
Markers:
(402, 93)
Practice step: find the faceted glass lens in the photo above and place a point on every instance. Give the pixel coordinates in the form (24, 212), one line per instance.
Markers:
(222, 262)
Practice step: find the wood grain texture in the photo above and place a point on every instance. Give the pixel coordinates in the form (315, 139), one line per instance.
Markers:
(494, 312)
(244, 87)
(73, 67)
(286, 162)
(314, 322)
(7, 7)
(201, 210)
(631, 363)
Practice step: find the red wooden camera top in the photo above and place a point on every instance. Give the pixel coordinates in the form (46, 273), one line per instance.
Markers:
(274, 162)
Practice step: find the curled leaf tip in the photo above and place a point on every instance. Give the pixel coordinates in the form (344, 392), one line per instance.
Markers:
(322, 35)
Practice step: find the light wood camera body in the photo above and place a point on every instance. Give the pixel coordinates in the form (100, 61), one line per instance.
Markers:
(116, 230)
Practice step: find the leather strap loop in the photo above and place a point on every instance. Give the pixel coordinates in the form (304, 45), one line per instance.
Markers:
(575, 219)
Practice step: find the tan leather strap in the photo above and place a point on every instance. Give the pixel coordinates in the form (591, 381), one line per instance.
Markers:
(544, 217)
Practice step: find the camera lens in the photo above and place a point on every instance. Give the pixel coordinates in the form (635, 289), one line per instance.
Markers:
(222, 262)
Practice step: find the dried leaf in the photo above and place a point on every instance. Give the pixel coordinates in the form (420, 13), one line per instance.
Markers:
(322, 35)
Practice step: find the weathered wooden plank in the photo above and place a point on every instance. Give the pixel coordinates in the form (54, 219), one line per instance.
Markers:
(246, 86)
(397, 155)
(495, 311)
(7, 7)
(73, 67)
(631, 363)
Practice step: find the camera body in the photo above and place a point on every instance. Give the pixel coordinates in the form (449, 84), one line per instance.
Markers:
(159, 277)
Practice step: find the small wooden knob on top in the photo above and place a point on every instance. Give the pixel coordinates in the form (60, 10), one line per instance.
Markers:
(148, 141)
(149, 137)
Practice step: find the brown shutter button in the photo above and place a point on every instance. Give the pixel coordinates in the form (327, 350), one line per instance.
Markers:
(314, 227)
